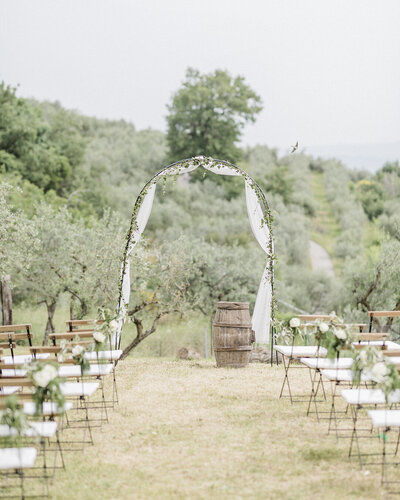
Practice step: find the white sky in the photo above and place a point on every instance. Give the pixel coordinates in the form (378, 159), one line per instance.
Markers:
(328, 71)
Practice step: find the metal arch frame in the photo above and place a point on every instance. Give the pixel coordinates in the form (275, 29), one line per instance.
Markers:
(265, 208)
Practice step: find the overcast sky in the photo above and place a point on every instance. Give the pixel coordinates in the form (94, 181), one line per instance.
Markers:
(328, 71)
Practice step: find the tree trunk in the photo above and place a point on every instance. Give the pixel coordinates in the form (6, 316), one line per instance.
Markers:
(130, 347)
(6, 300)
(71, 308)
(51, 309)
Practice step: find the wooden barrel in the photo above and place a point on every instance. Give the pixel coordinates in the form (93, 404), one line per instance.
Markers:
(232, 334)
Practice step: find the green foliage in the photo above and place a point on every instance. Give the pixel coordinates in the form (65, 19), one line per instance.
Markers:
(14, 417)
(371, 280)
(371, 196)
(278, 181)
(62, 245)
(372, 364)
(18, 237)
(47, 154)
(207, 115)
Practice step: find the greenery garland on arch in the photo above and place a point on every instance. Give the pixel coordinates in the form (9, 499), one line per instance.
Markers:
(177, 168)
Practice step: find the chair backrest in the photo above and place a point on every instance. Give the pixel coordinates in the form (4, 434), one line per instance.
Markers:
(313, 317)
(16, 381)
(20, 331)
(82, 334)
(367, 337)
(392, 352)
(22, 396)
(54, 349)
(85, 324)
(7, 341)
(381, 314)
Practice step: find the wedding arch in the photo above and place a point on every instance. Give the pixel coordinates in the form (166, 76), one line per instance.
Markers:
(260, 221)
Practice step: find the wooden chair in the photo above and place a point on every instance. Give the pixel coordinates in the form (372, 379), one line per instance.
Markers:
(71, 336)
(21, 332)
(13, 464)
(42, 434)
(381, 340)
(85, 324)
(7, 341)
(97, 370)
(54, 349)
(385, 421)
(84, 329)
(381, 314)
(79, 392)
(360, 400)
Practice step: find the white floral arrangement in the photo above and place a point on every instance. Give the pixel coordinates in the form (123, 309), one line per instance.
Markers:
(287, 330)
(47, 384)
(106, 330)
(370, 362)
(333, 334)
(14, 417)
(76, 352)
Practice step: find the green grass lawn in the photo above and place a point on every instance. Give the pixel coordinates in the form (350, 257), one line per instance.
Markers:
(190, 430)
(171, 334)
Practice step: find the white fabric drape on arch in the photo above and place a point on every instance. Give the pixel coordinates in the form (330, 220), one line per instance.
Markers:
(262, 310)
(261, 319)
(141, 222)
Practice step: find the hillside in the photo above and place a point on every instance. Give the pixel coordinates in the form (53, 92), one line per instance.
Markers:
(86, 167)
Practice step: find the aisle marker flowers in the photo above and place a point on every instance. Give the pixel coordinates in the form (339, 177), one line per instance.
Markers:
(77, 352)
(371, 363)
(14, 417)
(47, 384)
(333, 334)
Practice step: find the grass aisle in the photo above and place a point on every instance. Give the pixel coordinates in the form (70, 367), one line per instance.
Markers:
(189, 430)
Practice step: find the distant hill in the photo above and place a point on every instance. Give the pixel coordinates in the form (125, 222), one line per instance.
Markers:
(361, 156)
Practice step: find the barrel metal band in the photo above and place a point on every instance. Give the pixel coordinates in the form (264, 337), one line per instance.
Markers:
(237, 348)
(230, 325)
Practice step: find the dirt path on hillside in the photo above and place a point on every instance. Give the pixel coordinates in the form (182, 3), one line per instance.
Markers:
(320, 259)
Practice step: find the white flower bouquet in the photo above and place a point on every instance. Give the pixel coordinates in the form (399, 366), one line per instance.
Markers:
(106, 330)
(47, 384)
(15, 418)
(333, 334)
(287, 330)
(371, 362)
(77, 352)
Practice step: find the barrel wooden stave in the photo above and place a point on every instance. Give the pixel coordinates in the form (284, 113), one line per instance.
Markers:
(232, 334)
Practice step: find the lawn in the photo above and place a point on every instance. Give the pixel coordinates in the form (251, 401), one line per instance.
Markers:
(172, 333)
(185, 429)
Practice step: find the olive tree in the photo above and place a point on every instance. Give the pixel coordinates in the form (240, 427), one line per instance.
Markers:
(75, 258)
(207, 115)
(18, 241)
(188, 274)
